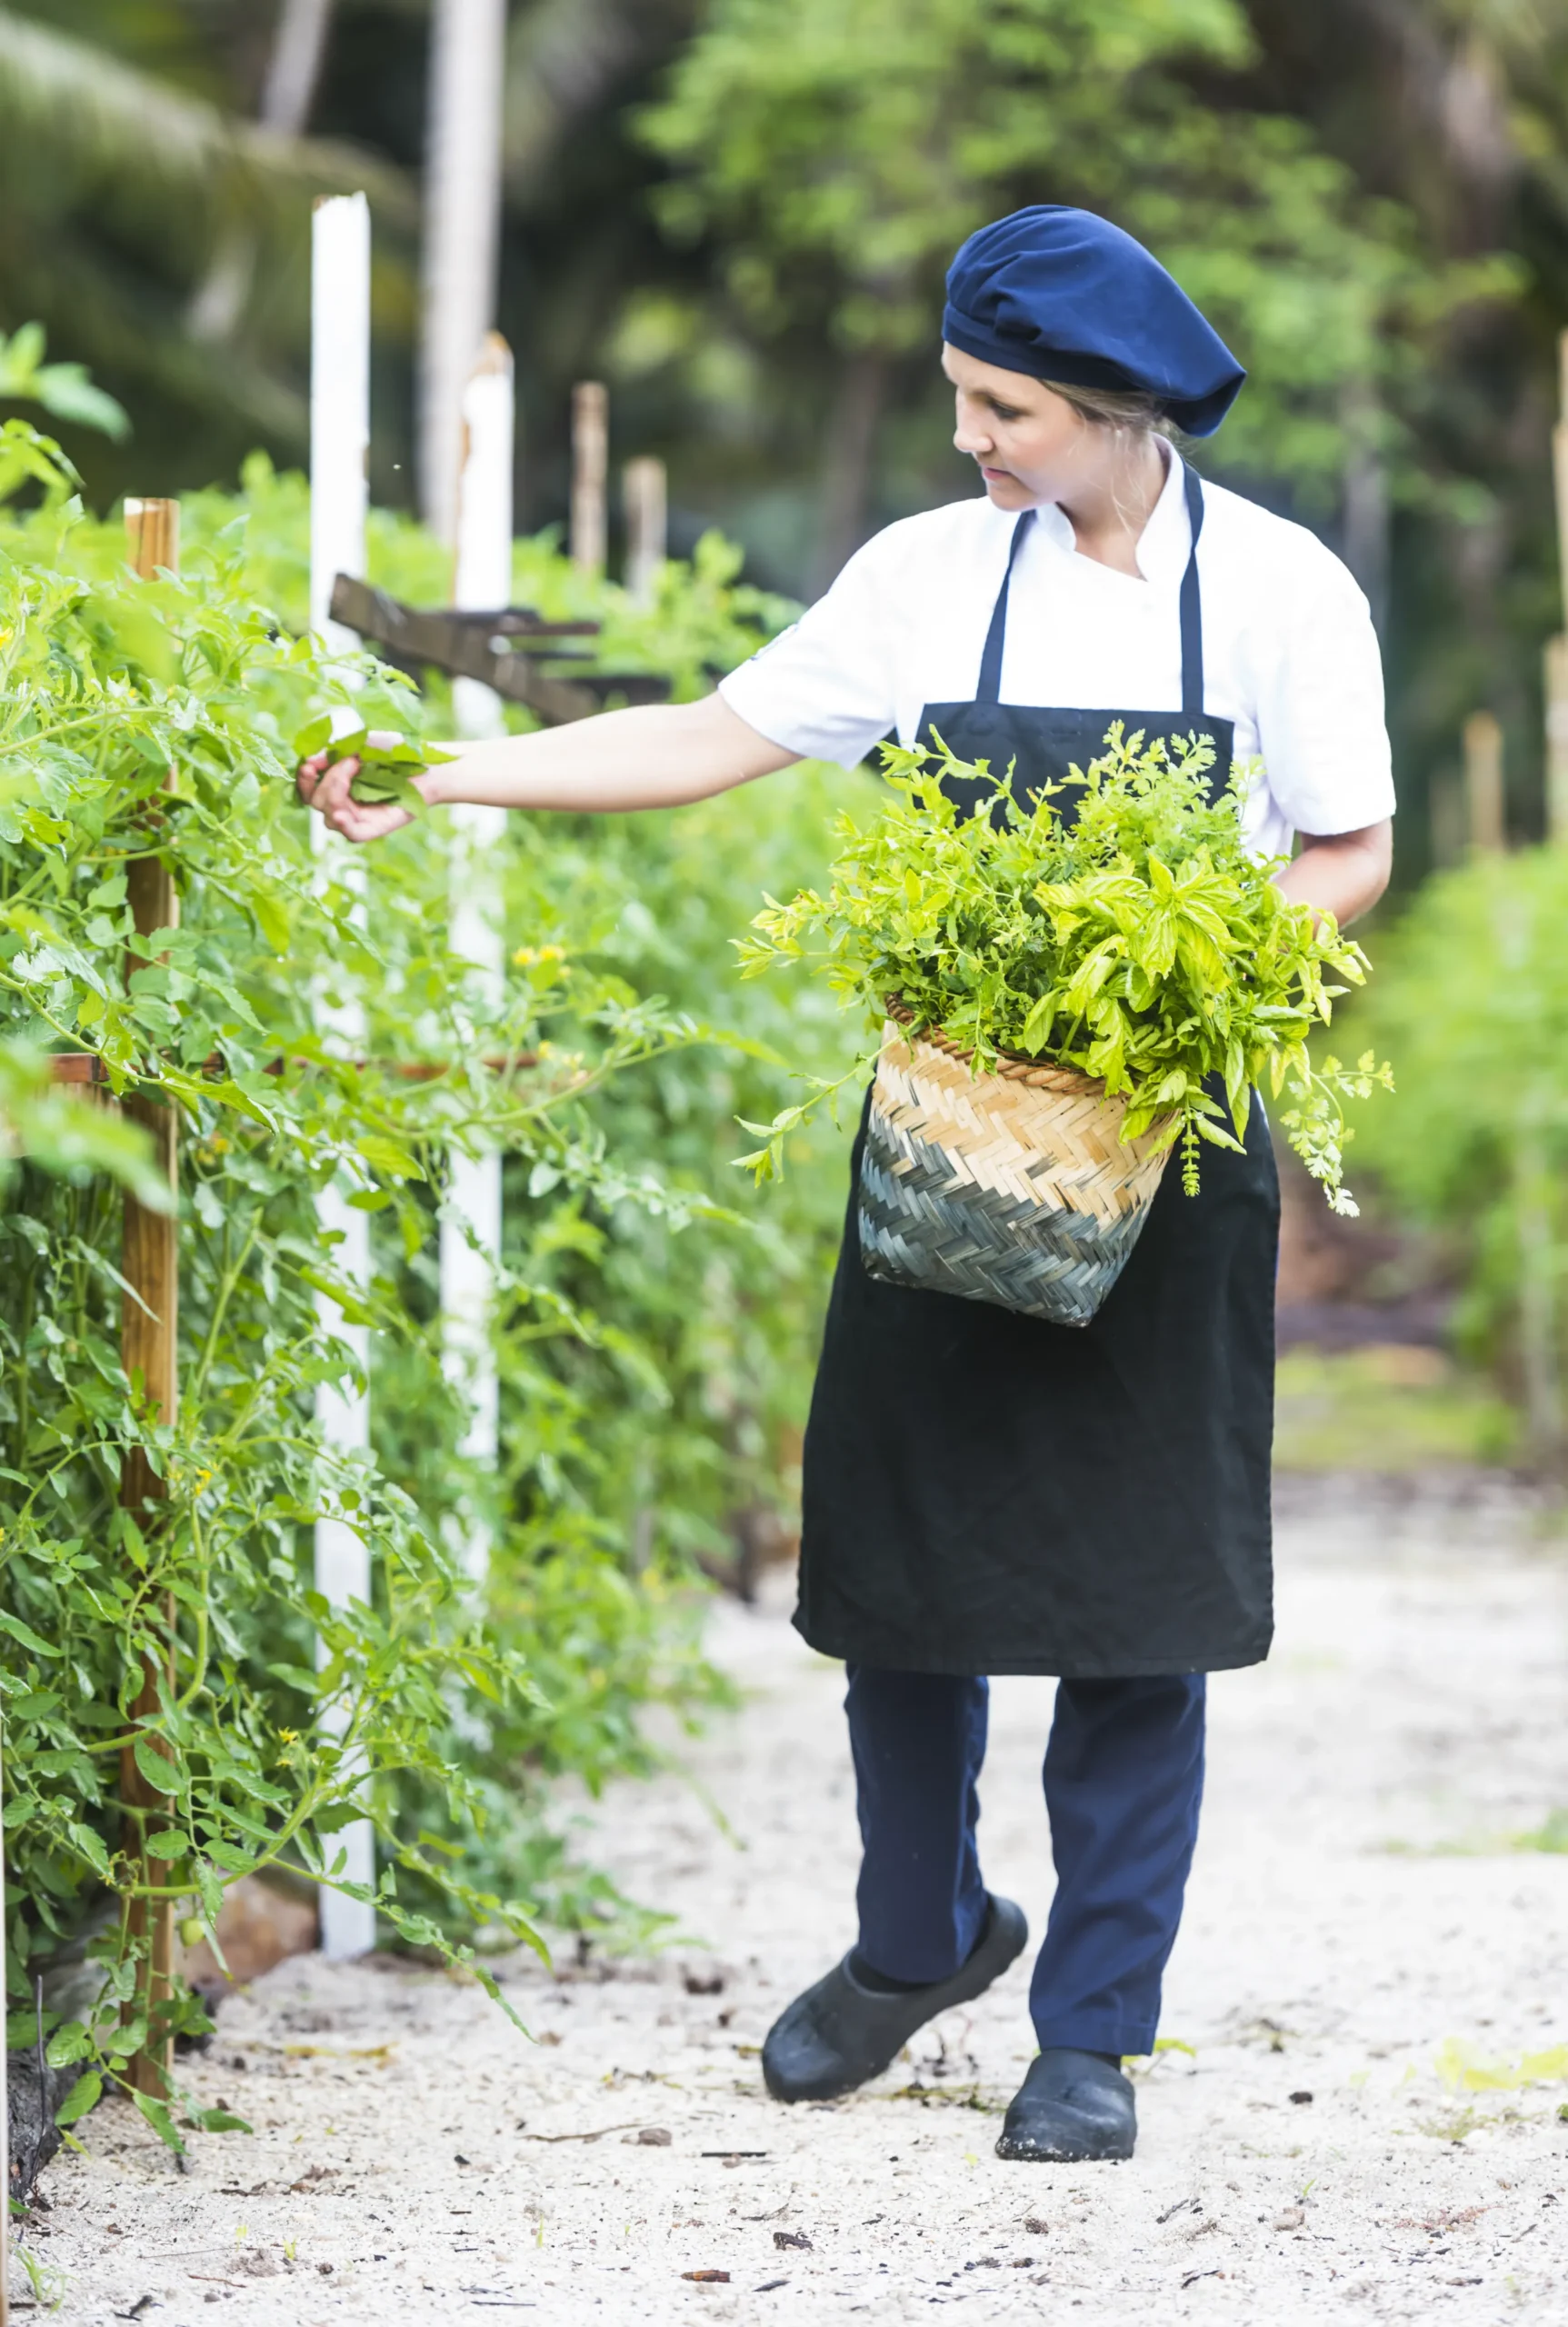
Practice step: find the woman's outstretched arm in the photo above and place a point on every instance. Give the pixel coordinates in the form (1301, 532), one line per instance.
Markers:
(654, 756)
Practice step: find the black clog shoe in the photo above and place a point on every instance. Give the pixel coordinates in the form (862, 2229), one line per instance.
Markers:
(1071, 2109)
(840, 2034)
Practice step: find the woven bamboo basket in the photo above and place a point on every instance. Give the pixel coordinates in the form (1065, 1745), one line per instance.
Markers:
(1014, 1187)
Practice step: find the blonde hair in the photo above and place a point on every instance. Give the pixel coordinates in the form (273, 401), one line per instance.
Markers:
(1136, 409)
(1134, 416)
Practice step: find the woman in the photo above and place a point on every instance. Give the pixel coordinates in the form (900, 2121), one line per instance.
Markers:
(985, 1493)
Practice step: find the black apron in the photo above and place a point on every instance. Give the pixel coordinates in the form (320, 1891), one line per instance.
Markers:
(986, 1492)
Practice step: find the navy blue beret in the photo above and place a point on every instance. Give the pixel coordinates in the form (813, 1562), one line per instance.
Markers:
(1064, 295)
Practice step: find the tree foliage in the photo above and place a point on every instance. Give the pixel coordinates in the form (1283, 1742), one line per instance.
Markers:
(839, 152)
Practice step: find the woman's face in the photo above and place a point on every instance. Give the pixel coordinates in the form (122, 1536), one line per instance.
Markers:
(1031, 446)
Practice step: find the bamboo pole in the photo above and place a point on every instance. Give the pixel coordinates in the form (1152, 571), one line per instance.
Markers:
(339, 501)
(645, 492)
(1484, 783)
(469, 1232)
(590, 469)
(148, 1336)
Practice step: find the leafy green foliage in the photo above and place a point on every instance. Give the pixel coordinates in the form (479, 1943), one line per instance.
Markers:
(64, 389)
(1473, 993)
(1139, 944)
(60, 1136)
(646, 1370)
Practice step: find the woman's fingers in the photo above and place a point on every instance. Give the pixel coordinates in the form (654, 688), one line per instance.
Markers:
(332, 787)
(356, 820)
(359, 820)
(325, 784)
(307, 774)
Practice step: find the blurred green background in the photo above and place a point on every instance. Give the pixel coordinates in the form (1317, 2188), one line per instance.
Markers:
(737, 214)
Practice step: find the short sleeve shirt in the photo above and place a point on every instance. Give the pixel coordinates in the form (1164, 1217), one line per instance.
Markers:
(1290, 653)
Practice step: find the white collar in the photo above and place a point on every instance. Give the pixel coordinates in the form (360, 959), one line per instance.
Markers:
(1165, 542)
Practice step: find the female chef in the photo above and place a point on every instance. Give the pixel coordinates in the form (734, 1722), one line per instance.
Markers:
(983, 1492)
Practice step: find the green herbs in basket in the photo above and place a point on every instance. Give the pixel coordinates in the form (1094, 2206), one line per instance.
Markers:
(1140, 945)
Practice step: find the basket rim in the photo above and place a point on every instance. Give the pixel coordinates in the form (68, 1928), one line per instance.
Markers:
(1011, 1064)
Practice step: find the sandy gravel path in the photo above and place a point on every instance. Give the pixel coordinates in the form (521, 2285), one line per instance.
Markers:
(415, 2159)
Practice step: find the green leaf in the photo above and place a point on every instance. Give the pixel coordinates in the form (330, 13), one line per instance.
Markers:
(68, 2043)
(83, 2096)
(24, 1633)
(158, 2115)
(156, 1767)
(386, 1155)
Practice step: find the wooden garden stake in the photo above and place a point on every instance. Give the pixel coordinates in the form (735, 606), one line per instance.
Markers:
(1484, 783)
(647, 496)
(1557, 664)
(590, 468)
(150, 1266)
(1556, 652)
(1537, 1288)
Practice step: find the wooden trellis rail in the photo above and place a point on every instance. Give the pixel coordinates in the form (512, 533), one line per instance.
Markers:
(501, 650)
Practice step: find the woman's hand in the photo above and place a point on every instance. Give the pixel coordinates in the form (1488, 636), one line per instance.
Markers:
(323, 783)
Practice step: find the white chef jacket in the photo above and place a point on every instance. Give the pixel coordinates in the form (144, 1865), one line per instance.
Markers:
(1290, 653)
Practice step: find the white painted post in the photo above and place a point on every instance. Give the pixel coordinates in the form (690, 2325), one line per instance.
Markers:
(339, 499)
(462, 232)
(645, 490)
(471, 1218)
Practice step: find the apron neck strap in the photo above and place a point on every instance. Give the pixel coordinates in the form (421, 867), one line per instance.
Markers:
(1192, 608)
(1192, 603)
(990, 687)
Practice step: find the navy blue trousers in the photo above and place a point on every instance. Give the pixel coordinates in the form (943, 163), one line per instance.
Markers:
(1123, 1781)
